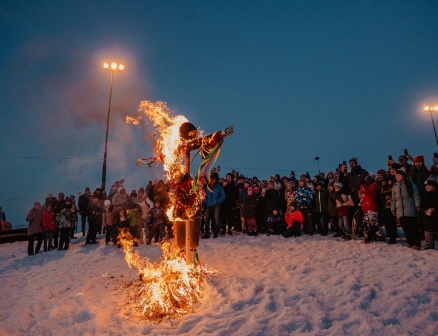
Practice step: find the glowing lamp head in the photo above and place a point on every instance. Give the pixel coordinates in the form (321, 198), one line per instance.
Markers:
(426, 108)
(121, 67)
(113, 66)
(105, 65)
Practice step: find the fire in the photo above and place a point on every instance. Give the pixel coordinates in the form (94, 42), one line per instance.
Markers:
(172, 286)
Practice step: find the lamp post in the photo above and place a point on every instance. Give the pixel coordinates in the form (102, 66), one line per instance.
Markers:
(113, 67)
(431, 109)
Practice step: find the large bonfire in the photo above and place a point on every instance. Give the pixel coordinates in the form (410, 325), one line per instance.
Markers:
(172, 286)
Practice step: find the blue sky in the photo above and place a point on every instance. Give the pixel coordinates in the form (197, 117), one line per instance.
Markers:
(297, 79)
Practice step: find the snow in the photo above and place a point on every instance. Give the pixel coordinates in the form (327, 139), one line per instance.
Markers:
(264, 285)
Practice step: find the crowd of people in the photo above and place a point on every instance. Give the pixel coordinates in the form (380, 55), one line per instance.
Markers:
(347, 202)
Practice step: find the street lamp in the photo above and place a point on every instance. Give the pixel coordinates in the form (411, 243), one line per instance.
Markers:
(431, 109)
(113, 67)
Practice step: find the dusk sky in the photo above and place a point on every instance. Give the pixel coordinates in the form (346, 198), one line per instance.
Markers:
(296, 79)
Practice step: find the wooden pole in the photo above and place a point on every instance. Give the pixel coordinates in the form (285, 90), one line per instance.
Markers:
(188, 220)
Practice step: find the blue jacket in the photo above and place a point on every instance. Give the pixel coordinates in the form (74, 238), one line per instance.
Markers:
(215, 196)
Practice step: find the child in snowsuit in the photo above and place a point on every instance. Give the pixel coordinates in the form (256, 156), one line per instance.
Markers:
(342, 204)
(294, 220)
(66, 218)
(249, 211)
(49, 222)
(431, 215)
(108, 222)
(156, 221)
(275, 223)
(371, 230)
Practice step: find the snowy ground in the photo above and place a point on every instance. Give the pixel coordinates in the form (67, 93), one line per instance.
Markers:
(265, 285)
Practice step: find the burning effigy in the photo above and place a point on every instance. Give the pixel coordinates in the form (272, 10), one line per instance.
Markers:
(173, 285)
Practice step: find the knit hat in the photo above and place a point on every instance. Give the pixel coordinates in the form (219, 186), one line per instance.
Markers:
(330, 173)
(402, 171)
(37, 204)
(339, 185)
(302, 179)
(285, 178)
(419, 158)
(368, 179)
(107, 202)
(431, 181)
(321, 184)
(256, 189)
(250, 188)
(49, 195)
(119, 189)
(292, 172)
(353, 159)
(381, 172)
(331, 183)
(395, 166)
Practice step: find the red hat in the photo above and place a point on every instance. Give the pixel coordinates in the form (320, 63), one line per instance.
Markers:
(419, 158)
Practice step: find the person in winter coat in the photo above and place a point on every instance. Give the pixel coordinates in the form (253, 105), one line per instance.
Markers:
(214, 197)
(229, 205)
(294, 221)
(320, 208)
(94, 214)
(419, 174)
(352, 180)
(275, 223)
(122, 224)
(156, 220)
(371, 230)
(146, 205)
(304, 200)
(249, 211)
(405, 205)
(332, 209)
(386, 218)
(49, 222)
(431, 213)
(83, 202)
(135, 223)
(121, 200)
(342, 204)
(272, 197)
(65, 222)
(34, 228)
(108, 222)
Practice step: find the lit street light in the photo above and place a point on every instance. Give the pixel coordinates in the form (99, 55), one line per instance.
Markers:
(431, 109)
(111, 68)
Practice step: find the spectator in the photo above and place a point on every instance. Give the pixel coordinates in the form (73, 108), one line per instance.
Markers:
(49, 222)
(320, 207)
(121, 200)
(229, 205)
(405, 205)
(2, 220)
(83, 202)
(342, 204)
(431, 214)
(34, 228)
(94, 214)
(304, 200)
(66, 218)
(370, 209)
(108, 222)
(156, 221)
(294, 221)
(215, 196)
(249, 211)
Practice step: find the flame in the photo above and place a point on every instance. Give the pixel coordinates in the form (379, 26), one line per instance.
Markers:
(171, 287)
(131, 120)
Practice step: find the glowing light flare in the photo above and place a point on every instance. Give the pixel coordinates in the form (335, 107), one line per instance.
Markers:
(114, 66)
(428, 108)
